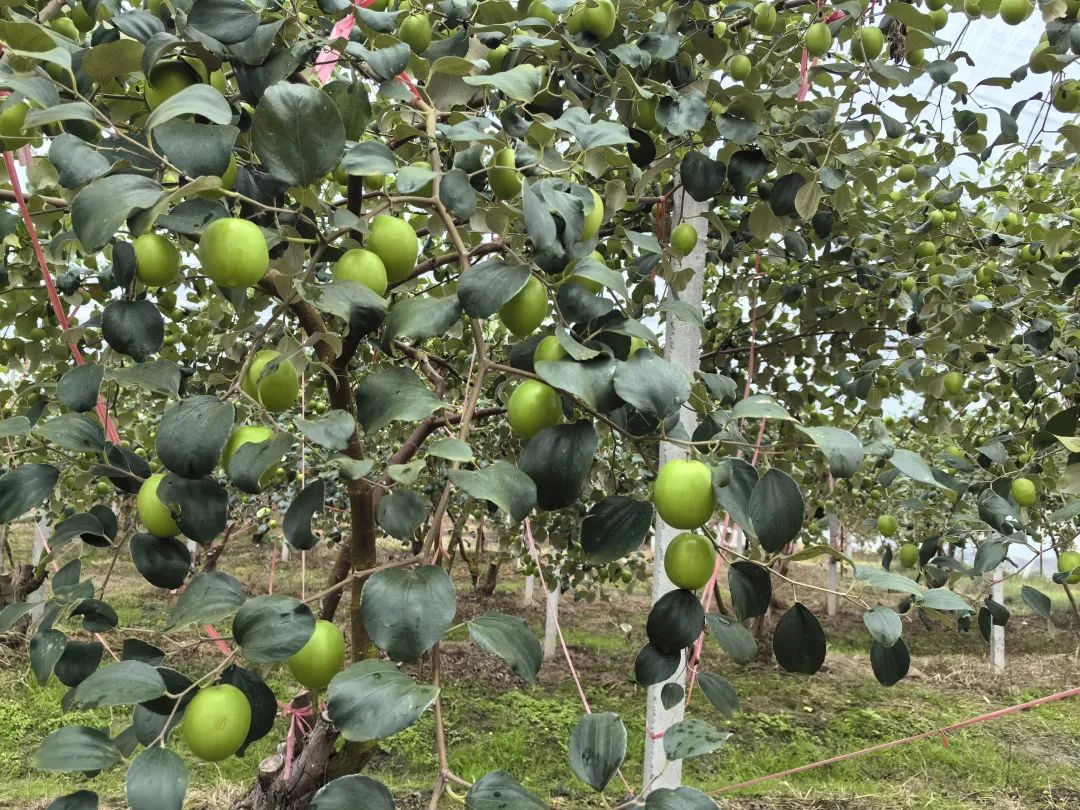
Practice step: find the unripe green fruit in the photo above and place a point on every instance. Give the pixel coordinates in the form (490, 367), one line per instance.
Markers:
(394, 241)
(233, 252)
(216, 722)
(593, 218)
(1023, 491)
(320, 659)
(12, 120)
(532, 407)
(278, 387)
(157, 261)
(246, 434)
(936, 218)
(818, 39)
(954, 383)
(168, 78)
(869, 43)
(503, 176)
(65, 27)
(155, 515)
(689, 561)
(549, 349)
(415, 31)
(526, 310)
(363, 266)
(538, 9)
(906, 173)
(683, 494)
(1015, 12)
(684, 239)
(940, 18)
(598, 20)
(739, 67)
(764, 17)
(887, 525)
(1066, 96)
(925, 249)
(909, 555)
(1069, 561)
(643, 111)
(915, 58)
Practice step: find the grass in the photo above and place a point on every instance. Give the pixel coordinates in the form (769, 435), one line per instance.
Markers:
(1030, 760)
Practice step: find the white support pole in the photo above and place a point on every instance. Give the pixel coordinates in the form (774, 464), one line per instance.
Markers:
(284, 550)
(997, 633)
(37, 598)
(834, 579)
(551, 620)
(530, 588)
(682, 347)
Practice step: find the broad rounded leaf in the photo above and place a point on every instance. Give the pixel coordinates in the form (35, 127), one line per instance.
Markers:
(502, 484)
(25, 487)
(692, 738)
(719, 691)
(163, 562)
(652, 385)
(353, 792)
(776, 510)
(510, 638)
(615, 527)
(271, 628)
(297, 521)
(200, 505)
(733, 637)
(558, 460)
(120, 684)
(209, 597)
(799, 641)
(401, 512)
(406, 611)
(393, 395)
(890, 664)
(675, 621)
(598, 748)
(651, 666)
(192, 434)
(197, 99)
(78, 388)
(486, 287)
(157, 779)
(884, 625)
(751, 589)
(76, 748)
(498, 790)
(101, 208)
(297, 132)
(79, 800)
(373, 699)
(680, 798)
(264, 707)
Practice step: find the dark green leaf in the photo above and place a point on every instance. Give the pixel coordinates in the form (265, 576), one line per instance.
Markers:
(597, 748)
(78, 662)
(369, 157)
(486, 287)
(76, 748)
(653, 666)
(271, 628)
(884, 625)
(157, 779)
(101, 208)
(890, 664)
(675, 621)
(374, 699)
(198, 150)
(209, 597)
(671, 694)
(297, 522)
(200, 505)
(78, 389)
(1038, 601)
(76, 162)
(192, 434)
(396, 394)
(776, 510)
(401, 513)
(720, 692)
(615, 527)
(137, 650)
(134, 328)
(197, 99)
(252, 460)
(799, 641)
(264, 707)
(419, 318)
(751, 589)
(74, 432)
(46, 647)
(500, 791)
(25, 487)
(651, 384)
(227, 21)
(592, 381)
(331, 430)
(680, 798)
(406, 611)
(841, 447)
(457, 194)
(120, 684)
(692, 738)
(353, 792)
(733, 637)
(701, 176)
(97, 616)
(558, 460)
(502, 484)
(510, 638)
(163, 562)
(281, 132)
(79, 800)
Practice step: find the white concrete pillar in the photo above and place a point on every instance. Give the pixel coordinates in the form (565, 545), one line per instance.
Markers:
(834, 578)
(682, 346)
(997, 633)
(551, 619)
(530, 589)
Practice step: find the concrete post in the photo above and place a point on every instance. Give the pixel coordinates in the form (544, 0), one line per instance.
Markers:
(834, 579)
(997, 633)
(551, 618)
(682, 346)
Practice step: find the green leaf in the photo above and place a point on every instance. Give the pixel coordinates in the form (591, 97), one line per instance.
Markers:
(733, 637)
(751, 589)
(502, 484)
(1038, 601)
(419, 318)
(675, 621)
(651, 666)
(46, 647)
(944, 599)
(498, 790)
(890, 663)
(76, 162)
(297, 522)
(598, 748)
(457, 193)
(486, 287)
(353, 302)
(282, 127)
(110, 60)
(353, 792)
(374, 699)
(651, 384)
(912, 465)
(369, 157)
(227, 21)
(209, 597)
(25, 487)
(884, 625)
(702, 177)
(192, 434)
(74, 432)
(197, 99)
(558, 460)
(614, 527)
(199, 504)
(680, 798)
(401, 512)
(520, 83)
(119, 684)
(10, 614)
(591, 381)
(406, 612)
(163, 562)
(720, 692)
(198, 150)
(510, 638)
(799, 641)
(776, 510)
(159, 376)
(252, 460)
(760, 406)
(692, 738)
(331, 430)
(78, 662)
(102, 207)
(157, 779)
(79, 800)
(134, 328)
(451, 449)
(76, 748)
(387, 62)
(14, 426)
(272, 628)
(887, 581)
(394, 395)
(841, 447)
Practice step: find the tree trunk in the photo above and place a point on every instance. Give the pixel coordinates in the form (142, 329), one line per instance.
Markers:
(272, 791)
(682, 346)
